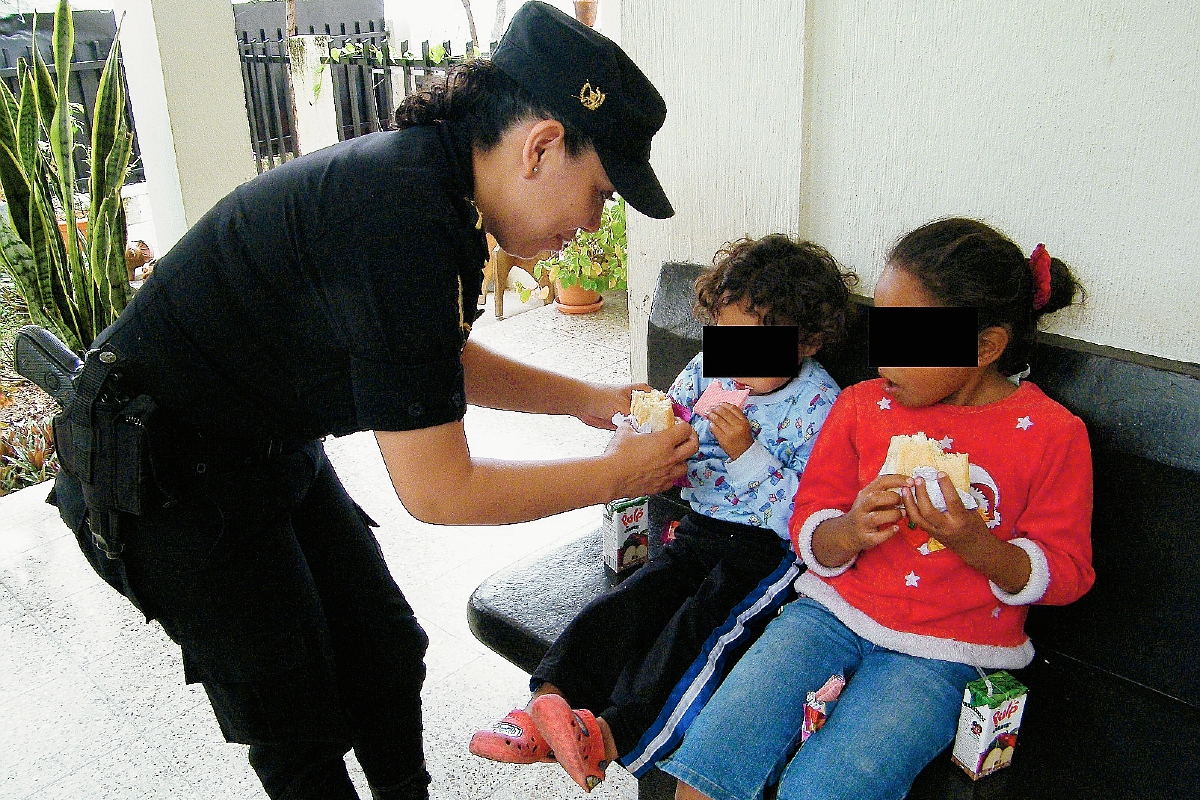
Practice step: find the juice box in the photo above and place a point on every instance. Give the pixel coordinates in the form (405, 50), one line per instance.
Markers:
(988, 724)
(624, 536)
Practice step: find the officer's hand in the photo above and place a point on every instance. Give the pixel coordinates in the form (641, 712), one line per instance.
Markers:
(602, 401)
(647, 463)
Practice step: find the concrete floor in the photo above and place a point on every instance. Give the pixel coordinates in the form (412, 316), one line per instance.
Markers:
(92, 699)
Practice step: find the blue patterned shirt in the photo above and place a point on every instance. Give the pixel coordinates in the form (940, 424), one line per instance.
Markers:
(758, 488)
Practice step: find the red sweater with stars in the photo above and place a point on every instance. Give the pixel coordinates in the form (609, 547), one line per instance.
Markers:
(1031, 472)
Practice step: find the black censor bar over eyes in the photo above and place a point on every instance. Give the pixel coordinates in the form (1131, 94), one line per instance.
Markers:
(751, 351)
(923, 337)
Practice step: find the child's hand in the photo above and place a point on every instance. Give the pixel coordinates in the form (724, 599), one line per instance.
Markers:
(964, 531)
(956, 527)
(732, 429)
(870, 521)
(875, 512)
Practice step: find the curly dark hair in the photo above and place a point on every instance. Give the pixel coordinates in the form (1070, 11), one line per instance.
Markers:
(481, 95)
(967, 263)
(785, 281)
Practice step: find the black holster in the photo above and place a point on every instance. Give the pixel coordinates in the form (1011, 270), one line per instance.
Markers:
(102, 442)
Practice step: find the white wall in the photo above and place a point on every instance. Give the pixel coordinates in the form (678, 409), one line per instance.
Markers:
(729, 154)
(1073, 123)
(185, 85)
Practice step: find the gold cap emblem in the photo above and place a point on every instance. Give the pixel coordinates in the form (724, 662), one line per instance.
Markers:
(591, 98)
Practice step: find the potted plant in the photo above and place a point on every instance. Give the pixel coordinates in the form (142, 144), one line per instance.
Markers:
(589, 264)
(74, 284)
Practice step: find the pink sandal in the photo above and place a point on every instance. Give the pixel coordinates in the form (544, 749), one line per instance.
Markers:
(575, 737)
(513, 740)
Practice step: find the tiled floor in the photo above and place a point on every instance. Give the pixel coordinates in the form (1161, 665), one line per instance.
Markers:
(92, 700)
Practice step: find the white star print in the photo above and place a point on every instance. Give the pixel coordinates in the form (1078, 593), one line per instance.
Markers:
(884, 404)
(996, 612)
(911, 579)
(1024, 423)
(945, 442)
(924, 549)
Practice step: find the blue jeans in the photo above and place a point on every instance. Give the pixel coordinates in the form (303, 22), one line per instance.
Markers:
(895, 715)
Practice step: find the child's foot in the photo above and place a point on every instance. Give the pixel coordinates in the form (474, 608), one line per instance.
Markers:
(513, 740)
(575, 737)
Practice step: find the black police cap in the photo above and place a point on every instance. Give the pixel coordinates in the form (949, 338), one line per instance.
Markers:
(586, 80)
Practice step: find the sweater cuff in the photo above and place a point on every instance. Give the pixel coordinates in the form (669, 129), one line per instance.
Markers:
(804, 540)
(1039, 577)
(753, 465)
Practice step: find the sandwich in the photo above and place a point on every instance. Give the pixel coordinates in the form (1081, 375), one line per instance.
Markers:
(651, 410)
(920, 456)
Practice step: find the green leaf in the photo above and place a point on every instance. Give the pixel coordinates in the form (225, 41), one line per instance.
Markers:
(47, 94)
(10, 109)
(29, 126)
(109, 131)
(62, 133)
(523, 292)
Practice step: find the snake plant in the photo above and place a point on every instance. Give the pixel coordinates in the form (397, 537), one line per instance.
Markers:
(74, 284)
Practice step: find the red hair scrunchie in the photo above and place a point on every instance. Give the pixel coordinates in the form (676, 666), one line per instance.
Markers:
(1039, 264)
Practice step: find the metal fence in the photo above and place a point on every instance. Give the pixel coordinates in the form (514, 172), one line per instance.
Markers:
(362, 73)
(268, 100)
(362, 86)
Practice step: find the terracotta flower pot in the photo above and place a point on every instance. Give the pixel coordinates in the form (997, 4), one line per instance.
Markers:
(81, 224)
(577, 300)
(585, 11)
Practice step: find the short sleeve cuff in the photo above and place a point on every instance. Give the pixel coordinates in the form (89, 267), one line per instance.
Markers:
(805, 538)
(394, 397)
(1039, 577)
(753, 465)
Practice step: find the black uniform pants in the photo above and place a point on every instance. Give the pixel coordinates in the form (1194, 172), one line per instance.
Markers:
(626, 651)
(274, 587)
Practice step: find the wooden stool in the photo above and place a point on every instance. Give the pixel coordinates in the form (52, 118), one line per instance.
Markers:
(495, 274)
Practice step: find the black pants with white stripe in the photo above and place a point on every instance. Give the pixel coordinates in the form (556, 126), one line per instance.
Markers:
(701, 602)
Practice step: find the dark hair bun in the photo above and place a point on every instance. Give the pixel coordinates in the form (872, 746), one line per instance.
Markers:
(1064, 288)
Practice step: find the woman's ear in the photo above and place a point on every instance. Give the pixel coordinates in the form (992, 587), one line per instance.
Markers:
(543, 138)
(992, 342)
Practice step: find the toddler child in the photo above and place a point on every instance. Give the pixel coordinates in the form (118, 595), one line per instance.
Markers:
(903, 599)
(640, 660)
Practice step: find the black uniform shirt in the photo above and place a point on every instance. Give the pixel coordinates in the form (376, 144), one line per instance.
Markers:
(331, 294)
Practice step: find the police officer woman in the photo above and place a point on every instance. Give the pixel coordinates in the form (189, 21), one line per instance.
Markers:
(330, 295)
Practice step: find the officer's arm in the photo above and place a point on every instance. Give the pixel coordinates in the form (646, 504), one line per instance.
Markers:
(497, 381)
(438, 481)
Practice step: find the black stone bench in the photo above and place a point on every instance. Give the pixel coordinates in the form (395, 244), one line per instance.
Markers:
(1114, 691)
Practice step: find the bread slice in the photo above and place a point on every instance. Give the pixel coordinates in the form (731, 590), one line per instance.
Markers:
(906, 453)
(653, 407)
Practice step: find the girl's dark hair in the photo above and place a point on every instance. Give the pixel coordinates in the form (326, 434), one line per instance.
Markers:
(481, 95)
(965, 263)
(786, 281)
